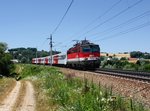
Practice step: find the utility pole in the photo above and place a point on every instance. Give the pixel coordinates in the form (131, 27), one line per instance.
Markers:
(51, 45)
(36, 55)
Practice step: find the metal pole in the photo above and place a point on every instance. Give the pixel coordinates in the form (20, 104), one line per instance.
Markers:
(51, 49)
(36, 55)
(51, 45)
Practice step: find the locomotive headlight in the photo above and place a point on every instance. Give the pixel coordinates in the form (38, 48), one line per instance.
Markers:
(91, 57)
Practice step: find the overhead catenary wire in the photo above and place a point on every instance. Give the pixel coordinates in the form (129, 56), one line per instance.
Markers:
(126, 31)
(63, 17)
(100, 16)
(134, 19)
(113, 17)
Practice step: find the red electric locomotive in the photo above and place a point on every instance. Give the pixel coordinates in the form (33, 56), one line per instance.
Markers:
(84, 55)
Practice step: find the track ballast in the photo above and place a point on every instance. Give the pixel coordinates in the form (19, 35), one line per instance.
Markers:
(136, 75)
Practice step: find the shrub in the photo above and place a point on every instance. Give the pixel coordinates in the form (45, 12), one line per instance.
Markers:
(147, 67)
(6, 66)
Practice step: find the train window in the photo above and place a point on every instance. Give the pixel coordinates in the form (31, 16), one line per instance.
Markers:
(62, 57)
(91, 48)
(95, 48)
(86, 49)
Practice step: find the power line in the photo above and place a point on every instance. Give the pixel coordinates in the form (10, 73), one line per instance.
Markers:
(113, 17)
(147, 13)
(100, 16)
(62, 17)
(126, 31)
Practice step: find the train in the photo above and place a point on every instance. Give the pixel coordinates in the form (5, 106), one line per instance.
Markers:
(82, 55)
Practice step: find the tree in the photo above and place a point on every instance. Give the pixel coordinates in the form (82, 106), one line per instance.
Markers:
(137, 54)
(147, 56)
(3, 47)
(123, 59)
(6, 66)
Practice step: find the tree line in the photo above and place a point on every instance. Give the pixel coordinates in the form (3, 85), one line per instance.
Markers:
(138, 54)
(25, 55)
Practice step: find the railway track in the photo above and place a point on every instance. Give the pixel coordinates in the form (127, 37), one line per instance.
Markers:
(141, 76)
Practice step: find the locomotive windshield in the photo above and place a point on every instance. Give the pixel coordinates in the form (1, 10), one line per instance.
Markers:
(86, 49)
(91, 48)
(95, 48)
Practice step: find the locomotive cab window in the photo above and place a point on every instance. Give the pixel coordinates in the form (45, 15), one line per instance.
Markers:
(91, 48)
(95, 48)
(86, 49)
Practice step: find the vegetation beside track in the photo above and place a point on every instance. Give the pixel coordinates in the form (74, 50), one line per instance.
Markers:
(123, 64)
(60, 92)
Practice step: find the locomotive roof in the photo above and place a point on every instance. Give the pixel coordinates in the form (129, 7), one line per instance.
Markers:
(82, 43)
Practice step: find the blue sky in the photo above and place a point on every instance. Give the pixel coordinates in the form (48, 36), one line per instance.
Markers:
(27, 23)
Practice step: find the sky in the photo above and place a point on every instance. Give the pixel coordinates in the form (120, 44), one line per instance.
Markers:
(116, 25)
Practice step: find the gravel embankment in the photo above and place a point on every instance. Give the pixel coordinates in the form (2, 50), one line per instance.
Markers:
(137, 90)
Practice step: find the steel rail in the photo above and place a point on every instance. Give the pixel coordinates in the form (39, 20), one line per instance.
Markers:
(141, 76)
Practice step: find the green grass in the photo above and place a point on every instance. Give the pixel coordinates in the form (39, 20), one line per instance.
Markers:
(68, 93)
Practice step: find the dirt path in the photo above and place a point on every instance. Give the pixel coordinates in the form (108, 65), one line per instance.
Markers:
(9, 101)
(27, 101)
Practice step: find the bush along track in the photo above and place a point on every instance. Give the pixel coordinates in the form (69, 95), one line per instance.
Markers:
(68, 93)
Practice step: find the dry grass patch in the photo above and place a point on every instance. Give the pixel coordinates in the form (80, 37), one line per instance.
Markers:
(6, 85)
